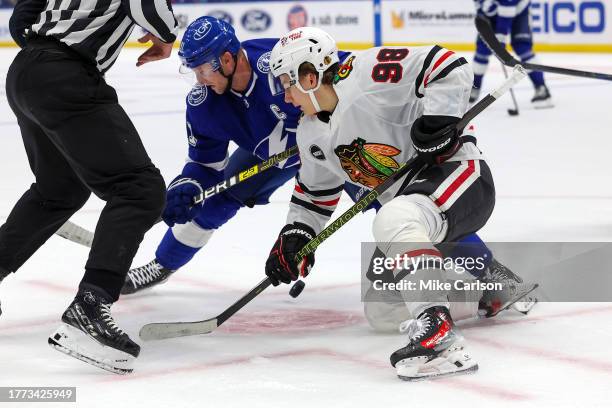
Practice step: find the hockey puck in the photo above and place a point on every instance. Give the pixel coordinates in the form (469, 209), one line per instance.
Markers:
(297, 288)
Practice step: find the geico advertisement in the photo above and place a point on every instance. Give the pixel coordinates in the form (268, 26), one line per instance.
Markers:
(346, 21)
(585, 22)
(451, 21)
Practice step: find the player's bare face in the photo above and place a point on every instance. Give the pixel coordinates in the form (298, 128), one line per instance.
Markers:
(296, 97)
(206, 75)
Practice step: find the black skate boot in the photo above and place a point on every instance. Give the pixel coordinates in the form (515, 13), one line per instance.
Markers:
(3, 274)
(90, 334)
(435, 348)
(515, 292)
(542, 98)
(145, 277)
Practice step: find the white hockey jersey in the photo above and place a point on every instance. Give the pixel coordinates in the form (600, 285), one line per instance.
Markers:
(381, 92)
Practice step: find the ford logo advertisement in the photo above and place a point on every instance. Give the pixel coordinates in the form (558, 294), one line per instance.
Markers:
(222, 15)
(256, 21)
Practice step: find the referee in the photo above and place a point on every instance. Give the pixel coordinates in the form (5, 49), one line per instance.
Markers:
(79, 140)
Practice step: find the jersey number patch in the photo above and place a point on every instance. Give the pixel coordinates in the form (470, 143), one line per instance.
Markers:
(388, 69)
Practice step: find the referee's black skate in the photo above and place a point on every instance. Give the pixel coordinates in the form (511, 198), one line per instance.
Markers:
(90, 334)
(435, 348)
(515, 292)
(145, 277)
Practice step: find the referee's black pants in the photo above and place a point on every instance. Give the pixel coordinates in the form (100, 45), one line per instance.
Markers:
(77, 139)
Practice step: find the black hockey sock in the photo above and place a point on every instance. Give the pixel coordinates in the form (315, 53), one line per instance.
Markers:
(108, 282)
(3, 273)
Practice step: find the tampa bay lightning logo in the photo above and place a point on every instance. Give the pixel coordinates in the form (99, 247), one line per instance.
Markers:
(263, 63)
(197, 95)
(202, 30)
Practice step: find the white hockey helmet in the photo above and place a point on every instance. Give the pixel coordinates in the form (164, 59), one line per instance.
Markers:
(304, 44)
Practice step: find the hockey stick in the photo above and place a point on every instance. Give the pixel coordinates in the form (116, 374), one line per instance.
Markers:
(80, 235)
(158, 331)
(488, 36)
(515, 111)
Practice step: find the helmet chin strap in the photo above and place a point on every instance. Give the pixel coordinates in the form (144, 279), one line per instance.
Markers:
(229, 77)
(311, 94)
(314, 101)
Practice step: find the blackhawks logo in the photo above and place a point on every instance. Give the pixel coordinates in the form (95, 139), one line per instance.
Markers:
(368, 164)
(344, 71)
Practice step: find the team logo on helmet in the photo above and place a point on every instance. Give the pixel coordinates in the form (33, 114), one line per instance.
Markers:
(197, 95)
(291, 37)
(345, 70)
(202, 30)
(263, 62)
(368, 164)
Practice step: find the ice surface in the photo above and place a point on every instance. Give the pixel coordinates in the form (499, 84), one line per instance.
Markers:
(552, 176)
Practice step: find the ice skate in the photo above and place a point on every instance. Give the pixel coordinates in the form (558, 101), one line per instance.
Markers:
(515, 292)
(542, 98)
(90, 334)
(435, 348)
(145, 277)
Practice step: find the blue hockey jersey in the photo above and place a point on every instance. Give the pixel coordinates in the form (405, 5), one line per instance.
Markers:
(255, 120)
(504, 12)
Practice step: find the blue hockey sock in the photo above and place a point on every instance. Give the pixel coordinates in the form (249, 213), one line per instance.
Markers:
(172, 254)
(472, 247)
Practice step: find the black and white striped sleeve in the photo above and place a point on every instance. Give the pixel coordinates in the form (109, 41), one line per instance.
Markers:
(24, 15)
(155, 16)
(313, 203)
(444, 81)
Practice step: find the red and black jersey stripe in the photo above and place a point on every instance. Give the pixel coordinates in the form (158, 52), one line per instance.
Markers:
(425, 79)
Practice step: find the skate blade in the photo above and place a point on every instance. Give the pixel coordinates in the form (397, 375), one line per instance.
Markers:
(514, 300)
(77, 344)
(547, 104)
(455, 361)
(525, 306)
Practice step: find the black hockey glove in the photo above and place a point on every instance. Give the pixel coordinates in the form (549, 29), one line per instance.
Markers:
(435, 138)
(281, 265)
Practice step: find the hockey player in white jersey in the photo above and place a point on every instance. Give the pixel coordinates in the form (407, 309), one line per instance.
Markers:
(361, 121)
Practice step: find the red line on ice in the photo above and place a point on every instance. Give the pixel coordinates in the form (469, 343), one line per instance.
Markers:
(465, 385)
(541, 353)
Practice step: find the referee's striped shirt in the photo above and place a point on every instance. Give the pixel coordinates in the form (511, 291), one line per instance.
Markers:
(97, 29)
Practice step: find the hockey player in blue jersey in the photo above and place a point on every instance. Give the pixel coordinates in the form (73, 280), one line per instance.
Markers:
(510, 19)
(231, 102)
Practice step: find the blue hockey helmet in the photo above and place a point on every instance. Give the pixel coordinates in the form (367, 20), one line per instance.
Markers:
(205, 40)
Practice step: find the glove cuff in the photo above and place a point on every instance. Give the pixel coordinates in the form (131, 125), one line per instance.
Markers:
(299, 228)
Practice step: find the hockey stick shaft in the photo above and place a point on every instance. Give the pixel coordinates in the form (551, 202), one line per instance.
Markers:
(158, 331)
(80, 235)
(516, 108)
(488, 36)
